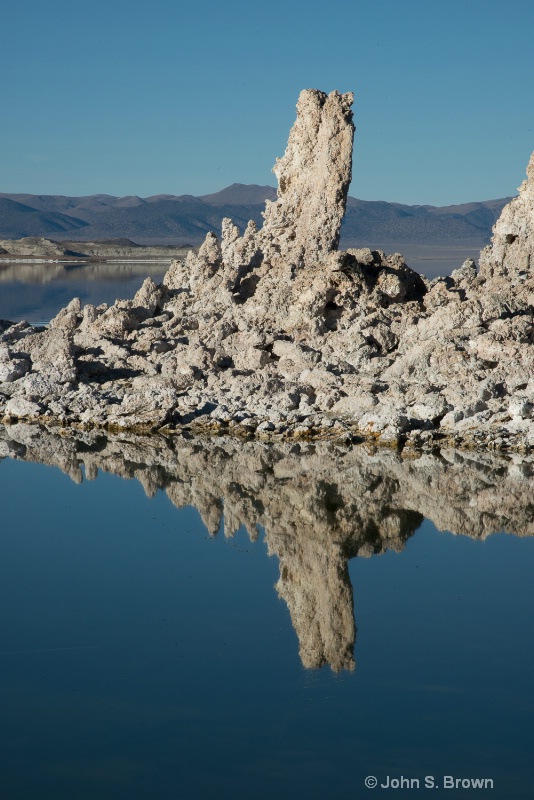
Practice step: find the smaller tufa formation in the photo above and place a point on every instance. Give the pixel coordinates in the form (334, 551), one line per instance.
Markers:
(511, 254)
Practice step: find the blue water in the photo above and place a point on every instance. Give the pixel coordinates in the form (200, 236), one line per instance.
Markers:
(142, 659)
(37, 292)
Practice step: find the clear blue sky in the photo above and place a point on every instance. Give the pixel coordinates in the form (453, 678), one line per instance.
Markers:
(164, 96)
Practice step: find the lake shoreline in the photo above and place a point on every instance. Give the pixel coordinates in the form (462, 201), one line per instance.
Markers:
(335, 430)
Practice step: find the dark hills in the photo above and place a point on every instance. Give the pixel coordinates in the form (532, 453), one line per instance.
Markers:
(241, 194)
(169, 219)
(15, 216)
(386, 222)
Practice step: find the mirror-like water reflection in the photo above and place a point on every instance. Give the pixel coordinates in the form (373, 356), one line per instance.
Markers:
(145, 653)
(320, 505)
(36, 292)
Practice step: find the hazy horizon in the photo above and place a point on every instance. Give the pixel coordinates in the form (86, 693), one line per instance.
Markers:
(163, 98)
(203, 196)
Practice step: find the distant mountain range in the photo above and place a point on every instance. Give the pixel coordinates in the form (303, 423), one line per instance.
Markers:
(177, 220)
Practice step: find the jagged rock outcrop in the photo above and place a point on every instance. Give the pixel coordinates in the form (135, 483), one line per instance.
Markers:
(511, 254)
(277, 333)
(303, 224)
(320, 504)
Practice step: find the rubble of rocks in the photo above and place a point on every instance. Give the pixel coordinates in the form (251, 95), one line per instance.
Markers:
(319, 503)
(276, 333)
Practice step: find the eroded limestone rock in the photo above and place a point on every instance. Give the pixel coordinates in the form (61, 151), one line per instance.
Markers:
(303, 224)
(275, 333)
(511, 254)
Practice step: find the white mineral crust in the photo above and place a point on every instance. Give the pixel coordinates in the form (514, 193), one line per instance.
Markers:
(275, 332)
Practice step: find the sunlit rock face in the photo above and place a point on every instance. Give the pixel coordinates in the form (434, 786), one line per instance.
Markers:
(320, 505)
(303, 225)
(274, 333)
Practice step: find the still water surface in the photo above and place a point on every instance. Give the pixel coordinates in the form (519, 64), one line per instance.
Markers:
(209, 619)
(36, 292)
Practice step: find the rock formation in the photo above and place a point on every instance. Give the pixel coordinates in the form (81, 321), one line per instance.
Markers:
(511, 255)
(303, 225)
(319, 503)
(277, 333)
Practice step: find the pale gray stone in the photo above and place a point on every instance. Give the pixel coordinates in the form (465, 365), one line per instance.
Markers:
(277, 326)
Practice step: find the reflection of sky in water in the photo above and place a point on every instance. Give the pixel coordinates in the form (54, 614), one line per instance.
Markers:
(38, 292)
(141, 658)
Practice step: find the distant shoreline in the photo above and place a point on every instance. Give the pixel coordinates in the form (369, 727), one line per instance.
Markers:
(29, 260)
(40, 250)
(428, 259)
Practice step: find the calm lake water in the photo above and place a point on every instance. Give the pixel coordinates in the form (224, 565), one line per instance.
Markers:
(37, 292)
(206, 619)
(213, 619)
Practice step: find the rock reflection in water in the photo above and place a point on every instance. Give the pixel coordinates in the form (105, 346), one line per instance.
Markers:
(319, 503)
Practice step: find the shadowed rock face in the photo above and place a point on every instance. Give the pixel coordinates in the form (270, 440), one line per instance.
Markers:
(276, 332)
(511, 254)
(320, 505)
